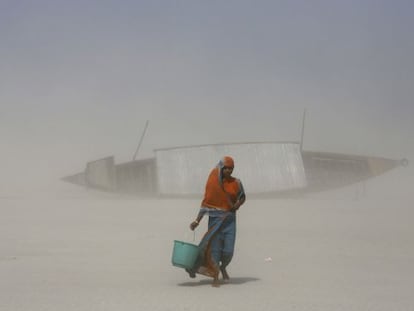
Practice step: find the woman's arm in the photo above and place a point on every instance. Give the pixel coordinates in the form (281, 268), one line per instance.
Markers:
(196, 222)
(241, 198)
(238, 203)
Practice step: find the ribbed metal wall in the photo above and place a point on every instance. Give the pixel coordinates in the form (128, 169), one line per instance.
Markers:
(137, 177)
(262, 167)
(101, 174)
(329, 170)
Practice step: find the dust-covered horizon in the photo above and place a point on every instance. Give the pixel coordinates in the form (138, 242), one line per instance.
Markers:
(79, 80)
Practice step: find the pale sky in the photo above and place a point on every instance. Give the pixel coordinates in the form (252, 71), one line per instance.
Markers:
(80, 78)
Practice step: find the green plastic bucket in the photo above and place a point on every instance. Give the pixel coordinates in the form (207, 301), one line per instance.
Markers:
(184, 254)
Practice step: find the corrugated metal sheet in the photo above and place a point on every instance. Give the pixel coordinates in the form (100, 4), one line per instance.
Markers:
(137, 177)
(101, 174)
(329, 170)
(262, 167)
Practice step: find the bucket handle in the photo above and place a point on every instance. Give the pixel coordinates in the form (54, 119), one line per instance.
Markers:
(190, 237)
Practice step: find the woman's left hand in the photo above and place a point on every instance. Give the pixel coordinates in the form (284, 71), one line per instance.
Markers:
(236, 206)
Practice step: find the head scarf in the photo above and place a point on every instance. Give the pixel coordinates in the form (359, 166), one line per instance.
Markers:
(226, 161)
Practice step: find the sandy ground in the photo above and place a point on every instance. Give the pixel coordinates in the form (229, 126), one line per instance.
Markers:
(91, 251)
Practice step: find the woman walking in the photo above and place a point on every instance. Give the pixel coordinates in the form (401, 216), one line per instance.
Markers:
(223, 196)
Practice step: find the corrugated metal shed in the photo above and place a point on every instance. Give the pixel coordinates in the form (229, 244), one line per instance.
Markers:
(262, 167)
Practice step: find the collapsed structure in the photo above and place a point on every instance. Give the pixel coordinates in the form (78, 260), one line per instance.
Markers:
(266, 168)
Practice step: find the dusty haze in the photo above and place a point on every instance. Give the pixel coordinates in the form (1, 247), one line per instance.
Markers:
(78, 81)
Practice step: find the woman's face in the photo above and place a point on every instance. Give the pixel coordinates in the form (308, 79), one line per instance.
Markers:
(227, 170)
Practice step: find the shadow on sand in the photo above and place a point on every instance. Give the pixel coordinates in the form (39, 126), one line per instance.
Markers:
(232, 281)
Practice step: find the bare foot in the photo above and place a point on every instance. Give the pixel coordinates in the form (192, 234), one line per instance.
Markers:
(215, 283)
(225, 274)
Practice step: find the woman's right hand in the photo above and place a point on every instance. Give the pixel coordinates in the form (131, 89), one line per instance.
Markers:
(194, 225)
